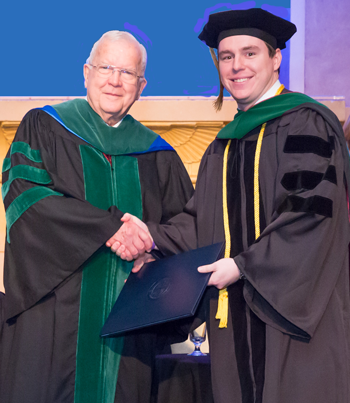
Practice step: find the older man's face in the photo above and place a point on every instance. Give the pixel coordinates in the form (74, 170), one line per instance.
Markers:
(111, 97)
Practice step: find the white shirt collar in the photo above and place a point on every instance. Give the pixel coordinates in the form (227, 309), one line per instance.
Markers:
(117, 124)
(270, 93)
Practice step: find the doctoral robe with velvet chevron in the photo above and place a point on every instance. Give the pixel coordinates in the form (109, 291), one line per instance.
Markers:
(288, 335)
(64, 200)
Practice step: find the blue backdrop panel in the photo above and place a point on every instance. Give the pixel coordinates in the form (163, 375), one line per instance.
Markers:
(45, 44)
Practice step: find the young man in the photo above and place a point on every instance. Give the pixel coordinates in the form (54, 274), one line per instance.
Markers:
(69, 176)
(274, 186)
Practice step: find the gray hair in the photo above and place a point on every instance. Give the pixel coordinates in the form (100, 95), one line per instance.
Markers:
(115, 36)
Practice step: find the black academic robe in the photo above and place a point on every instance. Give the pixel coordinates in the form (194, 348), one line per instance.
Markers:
(54, 236)
(288, 335)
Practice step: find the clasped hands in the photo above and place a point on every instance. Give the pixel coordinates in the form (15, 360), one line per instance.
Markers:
(133, 240)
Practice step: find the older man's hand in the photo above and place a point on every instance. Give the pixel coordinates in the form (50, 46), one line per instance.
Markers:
(132, 239)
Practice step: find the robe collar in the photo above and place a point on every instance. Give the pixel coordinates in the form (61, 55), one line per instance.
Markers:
(130, 137)
(274, 107)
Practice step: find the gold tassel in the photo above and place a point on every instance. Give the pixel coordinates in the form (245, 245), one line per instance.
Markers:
(222, 312)
(215, 59)
(220, 99)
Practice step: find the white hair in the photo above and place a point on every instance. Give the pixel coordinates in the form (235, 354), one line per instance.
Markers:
(115, 36)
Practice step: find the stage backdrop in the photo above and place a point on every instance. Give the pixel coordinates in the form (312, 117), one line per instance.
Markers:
(45, 44)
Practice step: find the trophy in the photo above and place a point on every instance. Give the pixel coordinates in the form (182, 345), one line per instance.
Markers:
(197, 337)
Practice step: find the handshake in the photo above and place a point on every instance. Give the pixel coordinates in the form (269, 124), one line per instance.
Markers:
(132, 241)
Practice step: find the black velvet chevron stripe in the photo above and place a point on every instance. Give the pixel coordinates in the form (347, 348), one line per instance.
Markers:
(313, 205)
(331, 175)
(308, 144)
(308, 180)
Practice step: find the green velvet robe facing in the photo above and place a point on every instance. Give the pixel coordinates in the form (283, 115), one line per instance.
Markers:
(64, 200)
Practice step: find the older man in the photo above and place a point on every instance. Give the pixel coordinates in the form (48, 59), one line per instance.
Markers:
(274, 186)
(71, 172)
